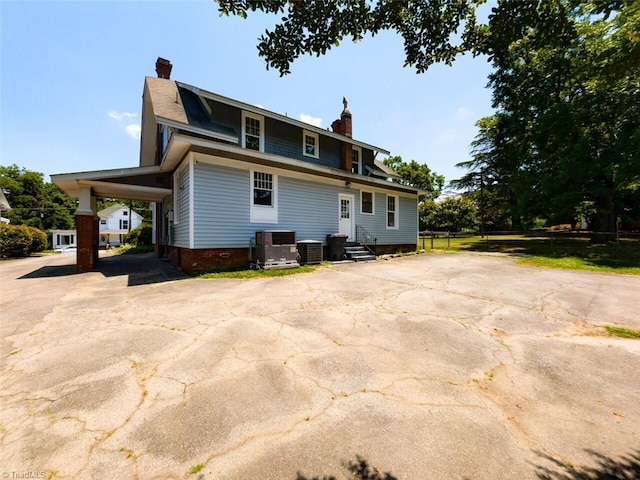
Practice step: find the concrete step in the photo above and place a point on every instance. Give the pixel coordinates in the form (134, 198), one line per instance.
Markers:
(358, 253)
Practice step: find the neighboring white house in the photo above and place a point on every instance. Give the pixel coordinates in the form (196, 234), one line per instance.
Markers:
(115, 222)
(114, 225)
(63, 239)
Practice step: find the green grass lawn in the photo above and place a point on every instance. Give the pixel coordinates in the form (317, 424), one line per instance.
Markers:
(559, 251)
(277, 272)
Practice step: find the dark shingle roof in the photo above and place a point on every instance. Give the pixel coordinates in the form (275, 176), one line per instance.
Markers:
(197, 114)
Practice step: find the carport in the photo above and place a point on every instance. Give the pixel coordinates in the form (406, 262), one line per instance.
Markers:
(137, 183)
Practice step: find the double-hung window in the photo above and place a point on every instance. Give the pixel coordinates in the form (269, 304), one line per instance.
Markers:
(392, 212)
(264, 197)
(263, 189)
(253, 131)
(366, 202)
(356, 160)
(310, 144)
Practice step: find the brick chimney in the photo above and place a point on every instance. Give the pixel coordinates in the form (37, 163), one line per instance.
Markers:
(163, 68)
(343, 127)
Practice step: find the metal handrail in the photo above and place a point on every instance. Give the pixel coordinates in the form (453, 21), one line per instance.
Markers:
(364, 238)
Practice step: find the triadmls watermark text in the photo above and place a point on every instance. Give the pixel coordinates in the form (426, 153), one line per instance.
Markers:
(25, 474)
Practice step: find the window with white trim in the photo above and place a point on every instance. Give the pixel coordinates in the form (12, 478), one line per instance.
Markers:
(367, 201)
(263, 189)
(124, 224)
(392, 212)
(356, 160)
(264, 197)
(310, 144)
(253, 131)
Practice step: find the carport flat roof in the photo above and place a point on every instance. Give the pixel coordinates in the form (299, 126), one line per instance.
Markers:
(137, 183)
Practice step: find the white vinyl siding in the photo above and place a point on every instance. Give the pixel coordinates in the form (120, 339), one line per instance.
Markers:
(181, 206)
(223, 200)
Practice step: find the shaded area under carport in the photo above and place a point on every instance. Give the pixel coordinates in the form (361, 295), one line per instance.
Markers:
(138, 183)
(142, 269)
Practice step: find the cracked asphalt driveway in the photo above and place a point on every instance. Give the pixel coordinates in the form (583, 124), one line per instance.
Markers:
(421, 367)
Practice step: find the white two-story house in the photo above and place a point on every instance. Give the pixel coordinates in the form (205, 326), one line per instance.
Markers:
(115, 222)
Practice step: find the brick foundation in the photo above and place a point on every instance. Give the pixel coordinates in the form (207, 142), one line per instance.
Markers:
(203, 260)
(388, 249)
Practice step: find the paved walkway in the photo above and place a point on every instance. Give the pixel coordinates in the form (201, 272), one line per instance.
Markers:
(422, 367)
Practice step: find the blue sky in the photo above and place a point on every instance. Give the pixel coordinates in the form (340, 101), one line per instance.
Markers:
(72, 75)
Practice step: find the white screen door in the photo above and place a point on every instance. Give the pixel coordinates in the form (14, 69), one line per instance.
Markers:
(346, 215)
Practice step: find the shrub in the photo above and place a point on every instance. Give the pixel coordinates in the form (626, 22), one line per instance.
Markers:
(39, 240)
(15, 240)
(140, 235)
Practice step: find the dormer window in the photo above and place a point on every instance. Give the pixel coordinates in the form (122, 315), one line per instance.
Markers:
(253, 131)
(356, 162)
(310, 144)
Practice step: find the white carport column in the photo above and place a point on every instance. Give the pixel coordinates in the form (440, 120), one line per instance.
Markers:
(87, 230)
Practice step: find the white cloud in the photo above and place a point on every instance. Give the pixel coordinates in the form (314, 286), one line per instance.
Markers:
(133, 131)
(126, 121)
(121, 116)
(315, 121)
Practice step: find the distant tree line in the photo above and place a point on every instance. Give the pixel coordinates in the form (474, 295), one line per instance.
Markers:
(34, 202)
(453, 213)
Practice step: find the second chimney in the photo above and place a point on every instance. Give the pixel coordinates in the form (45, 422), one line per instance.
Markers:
(163, 68)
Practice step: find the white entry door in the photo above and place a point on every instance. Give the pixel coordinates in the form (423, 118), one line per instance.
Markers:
(346, 215)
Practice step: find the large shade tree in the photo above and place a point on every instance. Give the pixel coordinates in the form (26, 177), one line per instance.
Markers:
(494, 178)
(565, 83)
(433, 31)
(567, 129)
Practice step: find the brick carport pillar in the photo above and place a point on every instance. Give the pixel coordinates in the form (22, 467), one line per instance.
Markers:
(87, 231)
